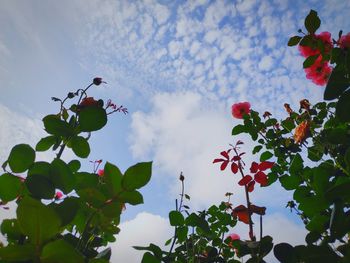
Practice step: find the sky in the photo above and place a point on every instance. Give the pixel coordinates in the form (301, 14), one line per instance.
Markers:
(178, 66)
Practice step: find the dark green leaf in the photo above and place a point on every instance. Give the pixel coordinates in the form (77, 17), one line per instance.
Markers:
(309, 61)
(257, 149)
(132, 197)
(10, 187)
(296, 164)
(92, 119)
(10, 229)
(112, 209)
(293, 41)
(149, 258)
(266, 246)
(239, 129)
(21, 157)
(318, 224)
(290, 182)
(62, 176)
(54, 125)
(40, 186)
(42, 168)
(105, 254)
(67, 209)
(176, 218)
(137, 176)
(45, 143)
(60, 251)
(336, 85)
(343, 107)
(285, 253)
(80, 146)
(37, 221)
(17, 253)
(113, 178)
(312, 22)
(74, 166)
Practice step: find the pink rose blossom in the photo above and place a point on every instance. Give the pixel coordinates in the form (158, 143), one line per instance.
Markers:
(239, 109)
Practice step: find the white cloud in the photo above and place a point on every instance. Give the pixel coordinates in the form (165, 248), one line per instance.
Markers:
(144, 229)
(266, 63)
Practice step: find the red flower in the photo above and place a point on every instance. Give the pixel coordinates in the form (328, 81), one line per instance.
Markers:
(58, 195)
(89, 101)
(239, 109)
(319, 72)
(100, 172)
(344, 41)
(307, 51)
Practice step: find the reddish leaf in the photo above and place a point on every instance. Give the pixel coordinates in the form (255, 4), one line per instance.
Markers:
(218, 160)
(246, 179)
(265, 165)
(239, 142)
(260, 210)
(250, 186)
(236, 158)
(223, 165)
(254, 167)
(241, 154)
(234, 168)
(261, 178)
(242, 213)
(225, 154)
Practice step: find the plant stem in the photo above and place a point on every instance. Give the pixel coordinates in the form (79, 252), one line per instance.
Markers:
(247, 199)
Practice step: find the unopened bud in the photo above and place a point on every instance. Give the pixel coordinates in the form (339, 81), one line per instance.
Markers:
(97, 81)
(182, 178)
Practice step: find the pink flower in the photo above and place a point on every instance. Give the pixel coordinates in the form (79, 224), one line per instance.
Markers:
(307, 51)
(100, 172)
(234, 236)
(319, 72)
(344, 41)
(58, 195)
(239, 109)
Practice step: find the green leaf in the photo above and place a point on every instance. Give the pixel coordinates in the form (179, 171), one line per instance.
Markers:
(133, 197)
(67, 209)
(42, 168)
(290, 182)
(257, 149)
(74, 166)
(265, 156)
(37, 221)
(60, 251)
(266, 246)
(45, 143)
(62, 176)
(93, 196)
(80, 146)
(54, 125)
(10, 229)
(285, 253)
(149, 258)
(17, 252)
(293, 41)
(112, 209)
(318, 224)
(182, 233)
(343, 107)
(176, 218)
(312, 22)
(113, 179)
(137, 176)
(21, 157)
(296, 164)
(238, 129)
(336, 85)
(40, 186)
(10, 187)
(315, 153)
(309, 61)
(92, 119)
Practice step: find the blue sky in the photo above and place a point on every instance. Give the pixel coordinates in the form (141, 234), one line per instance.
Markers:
(177, 66)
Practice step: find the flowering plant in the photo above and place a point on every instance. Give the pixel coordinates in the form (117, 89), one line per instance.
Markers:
(65, 214)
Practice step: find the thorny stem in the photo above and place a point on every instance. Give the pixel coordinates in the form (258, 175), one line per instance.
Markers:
(247, 199)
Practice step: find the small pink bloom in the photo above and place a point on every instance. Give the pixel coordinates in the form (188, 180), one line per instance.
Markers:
(100, 172)
(234, 236)
(344, 41)
(239, 109)
(58, 195)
